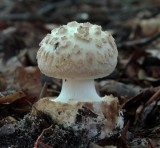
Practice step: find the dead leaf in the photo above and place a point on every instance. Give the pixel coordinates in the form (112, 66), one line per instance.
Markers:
(27, 79)
(10, 96)
(3, 83)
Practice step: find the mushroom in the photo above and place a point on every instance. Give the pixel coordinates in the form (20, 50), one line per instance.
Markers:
(78, 53)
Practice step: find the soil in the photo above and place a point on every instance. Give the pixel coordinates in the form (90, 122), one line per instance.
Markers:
(135, 81)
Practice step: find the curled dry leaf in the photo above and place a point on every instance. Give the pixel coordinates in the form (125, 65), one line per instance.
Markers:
(23, 105)
(134, 104)
(3, 83)
(10, 96)
(150, 115)
(150, 26)
(28, 79)
(21, 110)
(119, 89)
(8, 120)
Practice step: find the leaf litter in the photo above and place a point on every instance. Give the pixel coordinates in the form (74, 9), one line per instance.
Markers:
(135, 81)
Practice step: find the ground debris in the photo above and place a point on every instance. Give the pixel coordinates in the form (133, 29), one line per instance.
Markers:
(135, 26)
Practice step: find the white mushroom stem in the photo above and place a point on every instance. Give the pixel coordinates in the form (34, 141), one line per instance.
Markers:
(78, 91)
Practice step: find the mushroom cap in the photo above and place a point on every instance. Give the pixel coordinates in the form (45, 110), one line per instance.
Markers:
(77, 50)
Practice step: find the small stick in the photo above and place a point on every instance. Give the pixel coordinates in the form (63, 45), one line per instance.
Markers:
(138, 112)
(140, 42)
(40, 136)
(43, 90)
(155, 96)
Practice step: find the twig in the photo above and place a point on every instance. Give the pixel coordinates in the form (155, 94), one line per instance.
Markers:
(155, 96)
(122, 138)
(150, 143)
(40, 136)
(138, 113)
(43, 90)
(140, 42)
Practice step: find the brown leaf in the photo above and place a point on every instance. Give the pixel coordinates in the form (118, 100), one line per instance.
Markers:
(10, 96)
(28, 79)
(150, 26)
(8, 120)
(3, 83)
(132, 70)
(118, 89)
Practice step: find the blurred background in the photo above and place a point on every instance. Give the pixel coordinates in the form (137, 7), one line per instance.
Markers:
(135, 25)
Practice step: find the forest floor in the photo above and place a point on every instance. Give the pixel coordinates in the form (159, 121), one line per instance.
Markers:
(135, 81)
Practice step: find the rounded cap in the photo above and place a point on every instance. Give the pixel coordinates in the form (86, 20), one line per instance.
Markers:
(77, 50)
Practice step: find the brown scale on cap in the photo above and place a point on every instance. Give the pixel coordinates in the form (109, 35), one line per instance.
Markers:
(77, 49)
(111, 42)
(83, 30)
(98, 30)
(48, 37)
(82, 33)
(51, 58)
(53, 41)
(106, 57)
(62, 30)
(99, 43)
(80, 63)
(82, 37)
(104, 40)
(101, 58)
(90, 57)
(65, 44)
(87, 24)
(45, 56)
(110, 53)
(64, 38)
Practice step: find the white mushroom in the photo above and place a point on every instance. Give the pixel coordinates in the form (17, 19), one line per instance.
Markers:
(78, 53)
